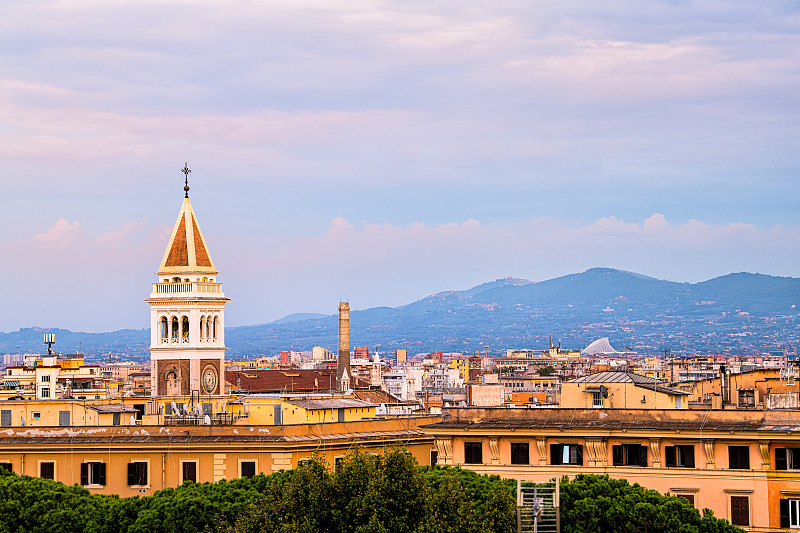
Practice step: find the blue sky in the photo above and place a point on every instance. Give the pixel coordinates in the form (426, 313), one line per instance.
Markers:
(382, 151)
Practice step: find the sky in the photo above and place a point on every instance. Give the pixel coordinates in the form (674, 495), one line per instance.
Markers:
(379, 151)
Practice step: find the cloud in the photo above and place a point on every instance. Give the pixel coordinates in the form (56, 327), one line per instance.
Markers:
(62, 233)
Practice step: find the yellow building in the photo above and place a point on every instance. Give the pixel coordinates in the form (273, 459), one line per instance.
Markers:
(743, 465)
(139, 460)
(463, 368)
(621, 390)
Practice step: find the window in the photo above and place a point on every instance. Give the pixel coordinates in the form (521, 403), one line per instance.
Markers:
(681, 455)
(93, 473)
(37, 415)
(566, 454)
(597, 399)
(629, 455)
(137, 473)
(338, 463)
(189, 471)
(45, 379)
(47, 470)
(740, 510)
(5, 417)
(739, 457)
(747, 398)
(473, 453)
(248, 468)
(115, 419)
(519, 453)
(45, 393)
(434, 457)
(790, 513)
(139, 410)
(63, 418)
(688, 497)
(787, 458)
(7, 466)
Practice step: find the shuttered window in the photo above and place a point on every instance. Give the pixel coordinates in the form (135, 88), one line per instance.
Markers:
(519, 453)
(137, 473)
(629, 455)
(679, 456)
(5, 417)
(248, 468)
(190, 471)
(740, 510)
(739, 457)
(566, 454)
(93, 473)
(47, 470)
(473, 453)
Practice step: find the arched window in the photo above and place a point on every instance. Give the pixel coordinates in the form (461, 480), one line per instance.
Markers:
(202, 328)
(164, 329)
(175, 329)
(185, 322)
(215, 326)
(176, 279)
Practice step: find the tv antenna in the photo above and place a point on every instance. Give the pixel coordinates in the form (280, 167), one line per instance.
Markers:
(49, 340)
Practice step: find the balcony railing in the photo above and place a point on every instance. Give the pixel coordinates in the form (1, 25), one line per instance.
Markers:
(187, 286)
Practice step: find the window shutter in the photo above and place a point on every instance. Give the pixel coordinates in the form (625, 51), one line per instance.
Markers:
(688, 458)
(642, 455)
(132, 474)
(514, 454)
(616, 454)
(555, 454)
(85, 474)
(780, 458)
(669, 455)
(101, 473)
(784, 512)
(142, 474)
(580, 454)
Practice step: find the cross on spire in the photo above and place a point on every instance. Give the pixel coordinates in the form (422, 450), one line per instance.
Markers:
(186, 171)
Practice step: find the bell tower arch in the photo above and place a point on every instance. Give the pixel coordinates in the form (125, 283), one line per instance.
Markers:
(187, 313)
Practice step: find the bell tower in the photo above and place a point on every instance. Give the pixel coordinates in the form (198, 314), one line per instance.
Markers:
(187, 313)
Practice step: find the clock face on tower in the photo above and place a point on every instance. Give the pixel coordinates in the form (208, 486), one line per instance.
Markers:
(210, 379)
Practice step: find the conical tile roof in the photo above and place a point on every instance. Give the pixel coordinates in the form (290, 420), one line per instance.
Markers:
(186, 251)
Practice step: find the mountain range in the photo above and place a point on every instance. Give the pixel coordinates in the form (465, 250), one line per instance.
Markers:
(733, 314)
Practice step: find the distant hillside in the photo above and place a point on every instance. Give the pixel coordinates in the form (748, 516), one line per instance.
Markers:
(737, 314)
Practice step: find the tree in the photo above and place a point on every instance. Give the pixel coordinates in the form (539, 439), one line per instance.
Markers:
(547, 371)
(600, 504)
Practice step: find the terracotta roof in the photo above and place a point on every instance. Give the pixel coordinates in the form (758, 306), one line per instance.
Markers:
(186, 250)
(282, 380)
(377, 396)
(332, 403)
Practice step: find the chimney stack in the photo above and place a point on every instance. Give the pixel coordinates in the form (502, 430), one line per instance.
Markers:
(343, 368)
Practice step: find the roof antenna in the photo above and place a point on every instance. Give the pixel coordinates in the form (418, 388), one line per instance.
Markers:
(186, 171)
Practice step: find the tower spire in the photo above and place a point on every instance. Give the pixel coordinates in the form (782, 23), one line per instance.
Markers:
(186, 171)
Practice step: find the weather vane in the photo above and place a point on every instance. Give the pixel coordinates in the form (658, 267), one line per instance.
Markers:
(186, 171)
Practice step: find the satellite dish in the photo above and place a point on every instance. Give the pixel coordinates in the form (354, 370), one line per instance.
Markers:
(23, 421)
(199, 409)
(207, 420)
(604, 391)
(174, 407)
(186, 409)
(133, 420)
